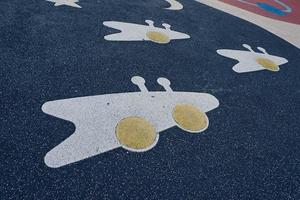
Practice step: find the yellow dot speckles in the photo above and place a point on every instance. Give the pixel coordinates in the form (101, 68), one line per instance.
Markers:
(268, 64)
(136, 133)
(158, 37)
(190, 118)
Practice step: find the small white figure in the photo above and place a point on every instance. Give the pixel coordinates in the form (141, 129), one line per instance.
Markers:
(137, 32)
(129, 120)
(174, 5)
(250, 61)
(65, 2)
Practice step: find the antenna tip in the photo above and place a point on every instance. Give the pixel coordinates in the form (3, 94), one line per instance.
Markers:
(167, 26)
(150, 22)
(138, 80)
(262, 50)
(163, 81)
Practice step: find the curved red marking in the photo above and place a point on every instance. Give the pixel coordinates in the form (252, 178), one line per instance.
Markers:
(293, 17)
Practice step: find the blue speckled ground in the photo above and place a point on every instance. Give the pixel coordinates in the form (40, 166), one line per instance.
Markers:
(250, 151)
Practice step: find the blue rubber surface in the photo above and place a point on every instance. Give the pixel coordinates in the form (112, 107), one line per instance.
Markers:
(250, 151)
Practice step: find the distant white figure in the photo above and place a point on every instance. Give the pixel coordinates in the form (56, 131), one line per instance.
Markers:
(136, 32)
(66, 3)
(174, 5)
(250, 61)
(129, 120)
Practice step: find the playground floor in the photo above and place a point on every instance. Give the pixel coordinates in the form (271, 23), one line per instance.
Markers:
(150, 99)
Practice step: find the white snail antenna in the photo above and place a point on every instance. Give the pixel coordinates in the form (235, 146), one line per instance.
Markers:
(262, 50)
(165, 83)
(140, 82)
(248, 47)
(149, 22)
(167, 26)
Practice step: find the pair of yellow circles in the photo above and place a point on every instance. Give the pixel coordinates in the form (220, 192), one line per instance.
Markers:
(138, 134)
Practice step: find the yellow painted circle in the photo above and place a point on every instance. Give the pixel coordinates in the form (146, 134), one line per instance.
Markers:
(158, 37)
(268, 64)
(190, 118)
(136, 133)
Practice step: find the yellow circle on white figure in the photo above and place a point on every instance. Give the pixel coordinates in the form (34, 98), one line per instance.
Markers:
(268, 64)
(136, 133)
(190, 118)
(158, 37)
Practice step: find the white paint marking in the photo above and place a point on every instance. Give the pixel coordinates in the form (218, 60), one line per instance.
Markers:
(248, 59)
(137, 32)
(96, 117)
(71, 3)
(174, 5)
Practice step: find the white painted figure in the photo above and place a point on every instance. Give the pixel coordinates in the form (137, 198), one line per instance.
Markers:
(96, 118)
(137, 32)
(174, 5)
(249, 61)
(71, 3)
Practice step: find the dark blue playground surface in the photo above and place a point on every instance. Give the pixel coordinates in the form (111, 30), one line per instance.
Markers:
(251, 149)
